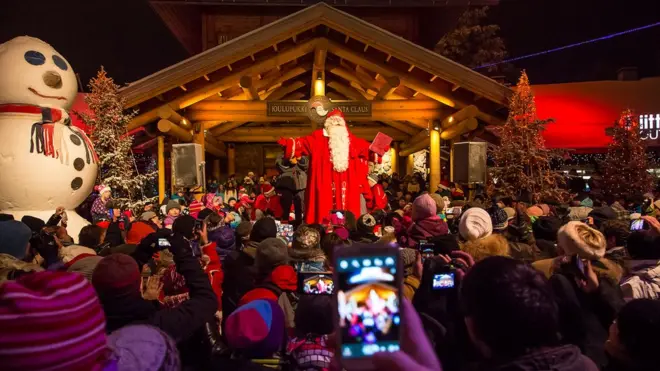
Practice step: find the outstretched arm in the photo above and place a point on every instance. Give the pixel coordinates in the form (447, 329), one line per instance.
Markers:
(296, 147)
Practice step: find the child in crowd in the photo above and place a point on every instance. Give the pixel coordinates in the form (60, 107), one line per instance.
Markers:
(309, 348)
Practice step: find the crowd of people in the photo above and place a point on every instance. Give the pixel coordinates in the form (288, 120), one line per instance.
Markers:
(211, 281)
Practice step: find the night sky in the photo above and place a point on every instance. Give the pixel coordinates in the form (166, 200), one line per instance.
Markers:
(131, 41)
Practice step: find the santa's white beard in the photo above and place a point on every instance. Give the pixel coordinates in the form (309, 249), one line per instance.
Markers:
(338, 142)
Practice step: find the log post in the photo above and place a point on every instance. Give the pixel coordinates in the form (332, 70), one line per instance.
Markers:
(231, 159)
(410, 164)
(434, 180)
(394, 157)
(248, 87)
(198, 138)
(161, 168)
(216, 169)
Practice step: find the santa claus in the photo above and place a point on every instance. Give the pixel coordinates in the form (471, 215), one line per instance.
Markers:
(337, 175)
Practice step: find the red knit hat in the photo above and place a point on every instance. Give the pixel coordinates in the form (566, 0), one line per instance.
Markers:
(116, 274)
(138, 231)
(51, 321)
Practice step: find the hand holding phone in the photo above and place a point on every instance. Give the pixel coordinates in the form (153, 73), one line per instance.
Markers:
(316, 283)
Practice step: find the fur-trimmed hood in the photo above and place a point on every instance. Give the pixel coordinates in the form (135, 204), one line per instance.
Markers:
(493, 245)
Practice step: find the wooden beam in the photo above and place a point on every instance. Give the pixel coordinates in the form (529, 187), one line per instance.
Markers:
(248, 87)
(347, 91)
(391, 84)
(286, 90)
(461, 128)
(379, 115)
(212, 149)
(225, 127)
(206, 77)
(318, 69)
(418, 146)
(422, 135)
(170, 114)
(401, 126)
(408, 80)
(215, 143)
(335, 96)
(170, 128)
(459, 116)
(273, 134)
(279, 78)
(183, 87)
(295, 96)
(197, 95)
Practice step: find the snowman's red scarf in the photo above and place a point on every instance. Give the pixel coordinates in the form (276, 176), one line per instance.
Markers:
(46, 137)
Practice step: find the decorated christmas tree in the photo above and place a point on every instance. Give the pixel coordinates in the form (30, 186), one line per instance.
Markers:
(522, 163)
(107, 123)
(625, 166)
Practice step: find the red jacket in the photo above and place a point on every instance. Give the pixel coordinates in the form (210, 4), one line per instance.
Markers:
(379, 198)
(272, 203)
(284, 277)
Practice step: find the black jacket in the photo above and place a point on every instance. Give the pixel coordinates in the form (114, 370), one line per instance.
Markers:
(239, 276)
(564, 358)
(292, 176)
(180, 322)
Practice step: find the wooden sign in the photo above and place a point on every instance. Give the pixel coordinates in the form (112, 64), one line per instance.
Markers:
(303, 108)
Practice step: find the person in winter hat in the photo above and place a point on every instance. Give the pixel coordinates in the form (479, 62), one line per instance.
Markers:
(173, 210)
(475, 223)
(262, 229)
(426, 222)
(365, 229)
(306, 254)
(141, 347)
(99, 209)
(275, 278)
(14, 247)
(34, 337)
(476, 228)
(311, 348)
(256, 329)
(545, 231)
(243, 233)
(499, 219)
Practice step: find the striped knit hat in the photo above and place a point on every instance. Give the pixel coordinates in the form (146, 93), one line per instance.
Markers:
(256, 328)
(144, 348)
(51, 321)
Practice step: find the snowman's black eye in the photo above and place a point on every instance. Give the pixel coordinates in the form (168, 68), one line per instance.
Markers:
(59, 62)
(35, 58)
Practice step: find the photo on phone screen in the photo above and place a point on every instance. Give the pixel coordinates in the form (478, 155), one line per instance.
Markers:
(637, 225)
(163, 242)
(368, 305)
(315, 283)
(443, 281)
(285, 231)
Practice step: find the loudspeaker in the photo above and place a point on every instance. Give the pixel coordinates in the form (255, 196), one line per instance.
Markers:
(187, 165)
(469, 162)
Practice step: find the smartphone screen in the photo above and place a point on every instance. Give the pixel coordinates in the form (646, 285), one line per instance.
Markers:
(163, 242)
(443, 281)
(285, 231)
(637, 225)
(368, 305)
(316, 283)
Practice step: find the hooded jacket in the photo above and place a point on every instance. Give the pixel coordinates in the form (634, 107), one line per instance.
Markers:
(563, 358)
(286, 280)
(239, 276)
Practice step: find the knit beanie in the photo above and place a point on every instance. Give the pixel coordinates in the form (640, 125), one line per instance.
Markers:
(306, 244)
(172, 204)
(439, 202)
(602, 214)
(14, 238)
(546, 228)
(115, 275)
(264, 228)
(243, 230)
(147, 216)
(202, 215)
(84, 264)
(423, 207)
(366, 224)
(35, 224)
(6, 217)
(142, 347)
(475, 224)
(499, 218)
(223, 237)
(256, 328)
(51, 321)
(271, 252)
(577, 213)
(577, 238)
(185, 226)
(408, 258)
(138, 231)
(535, 211)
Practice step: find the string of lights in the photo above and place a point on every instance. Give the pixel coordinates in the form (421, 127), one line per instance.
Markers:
(548, 51)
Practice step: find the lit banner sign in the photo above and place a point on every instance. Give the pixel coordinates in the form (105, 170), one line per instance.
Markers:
(649, 126)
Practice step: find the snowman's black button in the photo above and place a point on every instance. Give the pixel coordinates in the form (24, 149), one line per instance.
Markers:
(78, 164)
(75, 139)
(76, 183)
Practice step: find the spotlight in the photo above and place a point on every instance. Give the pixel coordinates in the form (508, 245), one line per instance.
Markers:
(319, 75)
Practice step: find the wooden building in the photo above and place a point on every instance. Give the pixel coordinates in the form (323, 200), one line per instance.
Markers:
(257, 87)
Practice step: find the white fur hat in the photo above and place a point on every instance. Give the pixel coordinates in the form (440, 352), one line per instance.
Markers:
(577, 238)
(475, 224)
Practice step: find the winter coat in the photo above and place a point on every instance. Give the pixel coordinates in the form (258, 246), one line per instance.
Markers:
(585, 318)
(12, 268)
(493, 245)
(285, 279)
(425, 229)
(239, 277)
(643, 281)
(604, 268)
(272, 203)
(547, 249)
(292, 176)
(410, 286)
(563, 358)
(181, 322)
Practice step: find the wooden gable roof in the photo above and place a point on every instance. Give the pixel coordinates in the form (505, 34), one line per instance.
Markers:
(281, 60)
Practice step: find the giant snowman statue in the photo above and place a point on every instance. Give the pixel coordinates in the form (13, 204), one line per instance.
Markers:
(45, 162)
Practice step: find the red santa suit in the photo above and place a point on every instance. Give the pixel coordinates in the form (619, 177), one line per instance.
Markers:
(379, 198)
(268, 200)
(336, 171)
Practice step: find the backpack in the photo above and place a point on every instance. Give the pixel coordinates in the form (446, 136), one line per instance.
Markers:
(291, 296)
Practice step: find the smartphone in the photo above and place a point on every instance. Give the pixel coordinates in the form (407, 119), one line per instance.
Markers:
(285, 231)
(368, 306)
(163, 243)
(638, 225)
(443, 281)
(316, 283)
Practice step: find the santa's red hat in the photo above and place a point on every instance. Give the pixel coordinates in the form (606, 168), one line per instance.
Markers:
(335, 112)
(267, 189)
